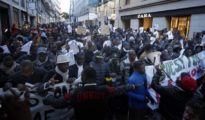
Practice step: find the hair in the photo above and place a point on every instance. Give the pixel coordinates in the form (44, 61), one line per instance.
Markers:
(6, 57)
(137, 64)
(89, 75)
(198, 107)
(79, 54)
(26, 64)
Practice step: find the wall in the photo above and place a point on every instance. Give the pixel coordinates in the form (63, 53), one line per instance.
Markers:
(161, 22)
(138, 3)
(197, 24)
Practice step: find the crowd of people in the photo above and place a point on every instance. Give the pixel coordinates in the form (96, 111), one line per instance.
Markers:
(105, 74)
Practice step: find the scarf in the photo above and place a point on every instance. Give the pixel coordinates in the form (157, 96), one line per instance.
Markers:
(64, 75)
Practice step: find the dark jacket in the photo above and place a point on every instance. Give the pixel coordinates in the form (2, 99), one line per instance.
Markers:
(102, 70)
(46, 66)
(173, 99)
(89, 100)
(73, 71)
(36, 77)
(58, 77)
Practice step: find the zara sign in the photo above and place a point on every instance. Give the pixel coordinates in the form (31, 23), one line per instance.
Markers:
(146, 15)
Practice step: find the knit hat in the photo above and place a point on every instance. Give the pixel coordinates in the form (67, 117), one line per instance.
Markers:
(63, 58)
(188, 83)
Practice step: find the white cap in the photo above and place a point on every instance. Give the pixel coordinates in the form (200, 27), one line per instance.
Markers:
(63, 58)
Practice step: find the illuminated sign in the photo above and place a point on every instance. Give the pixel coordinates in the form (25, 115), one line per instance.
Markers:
(146, 15)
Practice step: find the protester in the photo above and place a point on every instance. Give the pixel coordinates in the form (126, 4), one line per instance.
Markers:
(126, 65)
(101, 68)
(42, 59)
(138, 99)
(90, 100)
(174, 96)
(27, 74)
(53, 56)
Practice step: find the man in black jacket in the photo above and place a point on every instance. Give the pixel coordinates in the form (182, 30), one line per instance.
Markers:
(27, 74)
(174, 98)
(89, 100)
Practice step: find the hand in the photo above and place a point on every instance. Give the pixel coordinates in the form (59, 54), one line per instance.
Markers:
(21, 87)
(113, 75)
(146, 99)
(71, 80)
(52, 80)
(159, 70)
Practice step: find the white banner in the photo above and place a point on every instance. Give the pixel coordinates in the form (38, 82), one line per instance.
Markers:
(174, 68)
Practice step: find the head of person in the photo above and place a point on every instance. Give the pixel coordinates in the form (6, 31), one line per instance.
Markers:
(188, 52)
(88, 75)
(42, 54)
(139, 67)
(194, 110)
(132, 55)
(63, 62)
(53, 48)
(115, 41)
(126, 45)
(26, 68)
(7, 60)
(198, 48)
(80, 58)
(186, 82)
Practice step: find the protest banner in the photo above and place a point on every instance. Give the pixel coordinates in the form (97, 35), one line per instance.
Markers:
(81, 30)
(105, 30)
(173, 69)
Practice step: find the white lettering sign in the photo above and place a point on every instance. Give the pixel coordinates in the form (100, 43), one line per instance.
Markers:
(144, 15)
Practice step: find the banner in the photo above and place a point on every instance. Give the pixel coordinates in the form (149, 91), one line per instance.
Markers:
(105, 30)
(173, 69)
(81, 30)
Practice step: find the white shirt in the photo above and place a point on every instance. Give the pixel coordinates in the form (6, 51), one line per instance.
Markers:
(203, 40)
(170, 35)
(156, 33)
(69, 29)
(80, 70)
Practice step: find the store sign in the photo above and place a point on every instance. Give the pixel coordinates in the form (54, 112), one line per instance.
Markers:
(144, 15)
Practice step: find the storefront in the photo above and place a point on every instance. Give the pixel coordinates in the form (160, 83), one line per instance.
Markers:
(182, 24)
(186, 21)
(141, 20)
(145, 20)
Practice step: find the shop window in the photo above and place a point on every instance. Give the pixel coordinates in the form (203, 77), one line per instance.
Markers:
(182, 24)
(126, 24)
(145, 22)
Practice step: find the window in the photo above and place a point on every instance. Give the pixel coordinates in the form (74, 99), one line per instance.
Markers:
(181, 24)
(23, 3)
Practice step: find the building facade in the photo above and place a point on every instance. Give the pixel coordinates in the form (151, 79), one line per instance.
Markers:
(84, 12)
(187, 16)
(106, 12)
